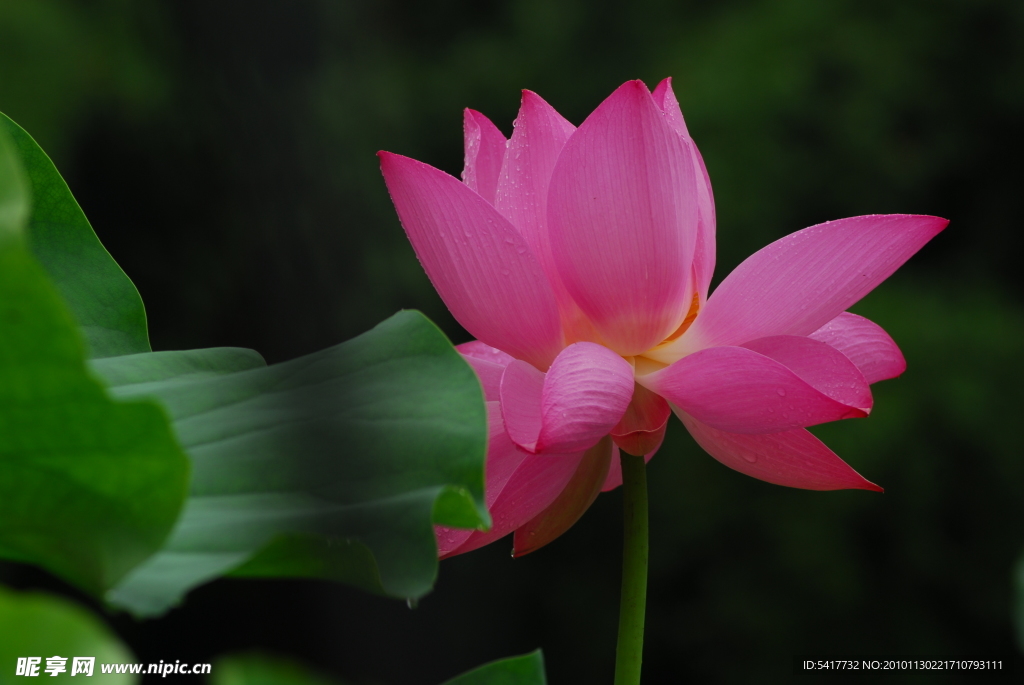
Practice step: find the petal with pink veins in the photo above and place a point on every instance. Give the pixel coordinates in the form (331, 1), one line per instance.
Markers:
(665, 98)
(801, 282)
(485, 153)
(480, 265)
(622, 218)
(704, 254)
(866, 344)
(583, 395)
(489, 364)
(522, 394)
(792, 458)
(825, 368)
(535, 484)
(577, 496)
(642, 428)
(522, 195)
(742, 391)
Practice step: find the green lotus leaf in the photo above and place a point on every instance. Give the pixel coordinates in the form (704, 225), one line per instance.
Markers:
(101, 297)
(89, 487)
(527, 669)
(334, 465)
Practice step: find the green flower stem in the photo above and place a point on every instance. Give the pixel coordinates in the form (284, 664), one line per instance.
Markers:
(633, 602)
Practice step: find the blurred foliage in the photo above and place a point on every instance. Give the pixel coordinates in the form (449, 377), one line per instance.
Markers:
(261, 669)
(63, 62)
(240, 191)
(41, 625)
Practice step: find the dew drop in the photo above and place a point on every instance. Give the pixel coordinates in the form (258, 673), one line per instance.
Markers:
(782, 393)
(748, 456)
(509, 239)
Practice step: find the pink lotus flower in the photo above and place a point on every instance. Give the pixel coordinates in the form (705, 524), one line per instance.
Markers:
(580, 259)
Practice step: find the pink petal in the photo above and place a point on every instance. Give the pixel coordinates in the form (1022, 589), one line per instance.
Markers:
(485, 152)
(665, 98)
(622, 216)
(534, 485)
(614, 478)
(801, 282)
(477, 261)
(449, 540)
(642, 428)
(866, 344)
(704, 255)
(582, 396)
(825, 368)
(793, 458)
(489, 364)
(580, 492)
(522, 394)
(503, 459)
(741, 391)
(522, 196)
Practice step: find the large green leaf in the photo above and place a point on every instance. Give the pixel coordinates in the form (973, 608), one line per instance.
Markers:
(88, 486)
(102, 298)
(333, 465)
(527, 669)
(43, 626)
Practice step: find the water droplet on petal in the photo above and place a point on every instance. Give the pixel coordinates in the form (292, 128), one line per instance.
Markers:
(748, 456)
(782, 393)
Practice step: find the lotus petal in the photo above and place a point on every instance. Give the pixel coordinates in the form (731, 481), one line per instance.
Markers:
(801, 282)
(583, 395)
(485, 153)
(622, 217)
(793, 458)
(866, 344)
(742, 391)
(479, 264)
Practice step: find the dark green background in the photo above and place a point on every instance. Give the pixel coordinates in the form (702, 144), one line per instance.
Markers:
(224, 152)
